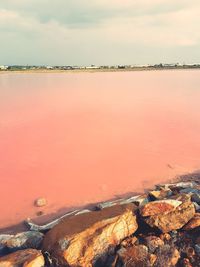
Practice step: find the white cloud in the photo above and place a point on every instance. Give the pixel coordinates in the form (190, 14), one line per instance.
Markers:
(100, 31)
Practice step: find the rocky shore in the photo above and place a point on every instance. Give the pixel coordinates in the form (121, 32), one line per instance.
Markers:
(158, 228)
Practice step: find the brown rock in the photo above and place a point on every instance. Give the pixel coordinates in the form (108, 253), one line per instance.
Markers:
(167, 256)
(40, 202)
(193, 223)
(83, 239)
(175, 257)
(186, 263)
(23, 258)
(173, 219)
(153, 242)
(190, 252)
(165, 237)
(128, 242)
(134, 256)
(159, 207)
(152, 259)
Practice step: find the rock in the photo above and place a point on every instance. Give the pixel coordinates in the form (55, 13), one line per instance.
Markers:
(189, 252)
(153, 242)
(35, 227)
(180, 185)
(159, 207)
(134, 256)
(152, 259)
(165, 237)
(30, 239)
(186, 263)
(137, 200)
(128, 242)
(167, 256)
(193, 223)
(196, 198)
(160, 194)
(3, 239)
(197, 249)
(174, 258)
(40, 202)
(197, 206)
(24, 240)
(166, 218)
(25, 258)
(83, 239)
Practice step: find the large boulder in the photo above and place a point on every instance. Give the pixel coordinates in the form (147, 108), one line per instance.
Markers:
(23, 258)
(83, 239)
(170, 214)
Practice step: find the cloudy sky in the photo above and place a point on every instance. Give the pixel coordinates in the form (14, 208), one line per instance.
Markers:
(84, 32)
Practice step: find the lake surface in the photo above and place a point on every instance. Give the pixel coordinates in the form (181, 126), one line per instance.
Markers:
(78, 138)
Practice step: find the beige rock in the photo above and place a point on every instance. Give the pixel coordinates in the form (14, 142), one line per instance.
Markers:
(193, 223)
(167, 220)
(23, 258)
(134, 256)
(83, 239)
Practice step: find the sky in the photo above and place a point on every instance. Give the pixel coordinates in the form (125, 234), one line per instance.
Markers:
(100, 32)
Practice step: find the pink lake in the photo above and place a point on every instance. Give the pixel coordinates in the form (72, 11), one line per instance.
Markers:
(80, 138)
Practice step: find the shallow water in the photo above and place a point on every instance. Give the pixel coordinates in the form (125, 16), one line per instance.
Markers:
(78, 138)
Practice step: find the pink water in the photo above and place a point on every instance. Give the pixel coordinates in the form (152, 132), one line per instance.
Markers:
(77, 138)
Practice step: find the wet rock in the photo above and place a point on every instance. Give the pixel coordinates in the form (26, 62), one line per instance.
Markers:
(23, 258)
(159, 207)
(40, 202)
(160, 194)
(134, 256)
(169, 217)
(22, 240)
(35, 227)
(83, 239)
(153, 242)
(193, 223)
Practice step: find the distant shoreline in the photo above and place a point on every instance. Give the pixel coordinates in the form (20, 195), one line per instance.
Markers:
(43, 70)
